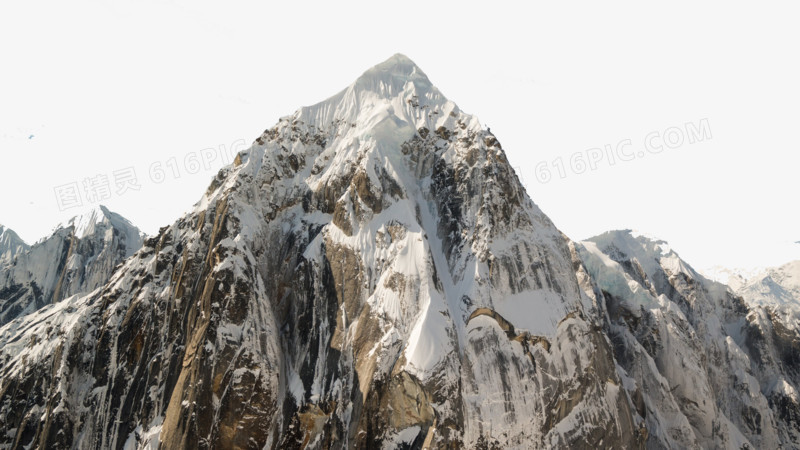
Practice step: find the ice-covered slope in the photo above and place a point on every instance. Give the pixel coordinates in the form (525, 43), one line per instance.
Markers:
(705, 369)
(77, 257)
(10, 244)
(369, 274)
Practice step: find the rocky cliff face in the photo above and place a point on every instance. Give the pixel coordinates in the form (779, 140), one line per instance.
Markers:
(371, 274)
(76, 258)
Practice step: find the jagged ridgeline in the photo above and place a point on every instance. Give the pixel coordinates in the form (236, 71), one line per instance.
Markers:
(370, 273)
(76, 258)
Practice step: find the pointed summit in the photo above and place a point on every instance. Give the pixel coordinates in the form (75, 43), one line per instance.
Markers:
(393, 74)
(391, 101)
(10, 243)
(398, 63)
(99, 219)
(85, 222)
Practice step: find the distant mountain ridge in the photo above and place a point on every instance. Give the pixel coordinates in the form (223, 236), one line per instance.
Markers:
(766, 286)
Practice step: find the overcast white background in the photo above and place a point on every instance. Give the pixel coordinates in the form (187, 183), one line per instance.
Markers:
(89, 87)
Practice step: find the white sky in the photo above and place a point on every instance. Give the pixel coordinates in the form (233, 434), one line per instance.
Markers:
(102, 86)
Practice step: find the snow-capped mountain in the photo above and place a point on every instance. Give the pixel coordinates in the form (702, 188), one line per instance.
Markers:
(76, 258)
(10, 244)
(371, 273)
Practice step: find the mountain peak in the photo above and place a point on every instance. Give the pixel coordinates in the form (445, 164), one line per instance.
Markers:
(86, 224)
(394, 96)
(85, 221)
(398, 69)
(398, 59)
(398, 76)
(10, 243)
(6, 231)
